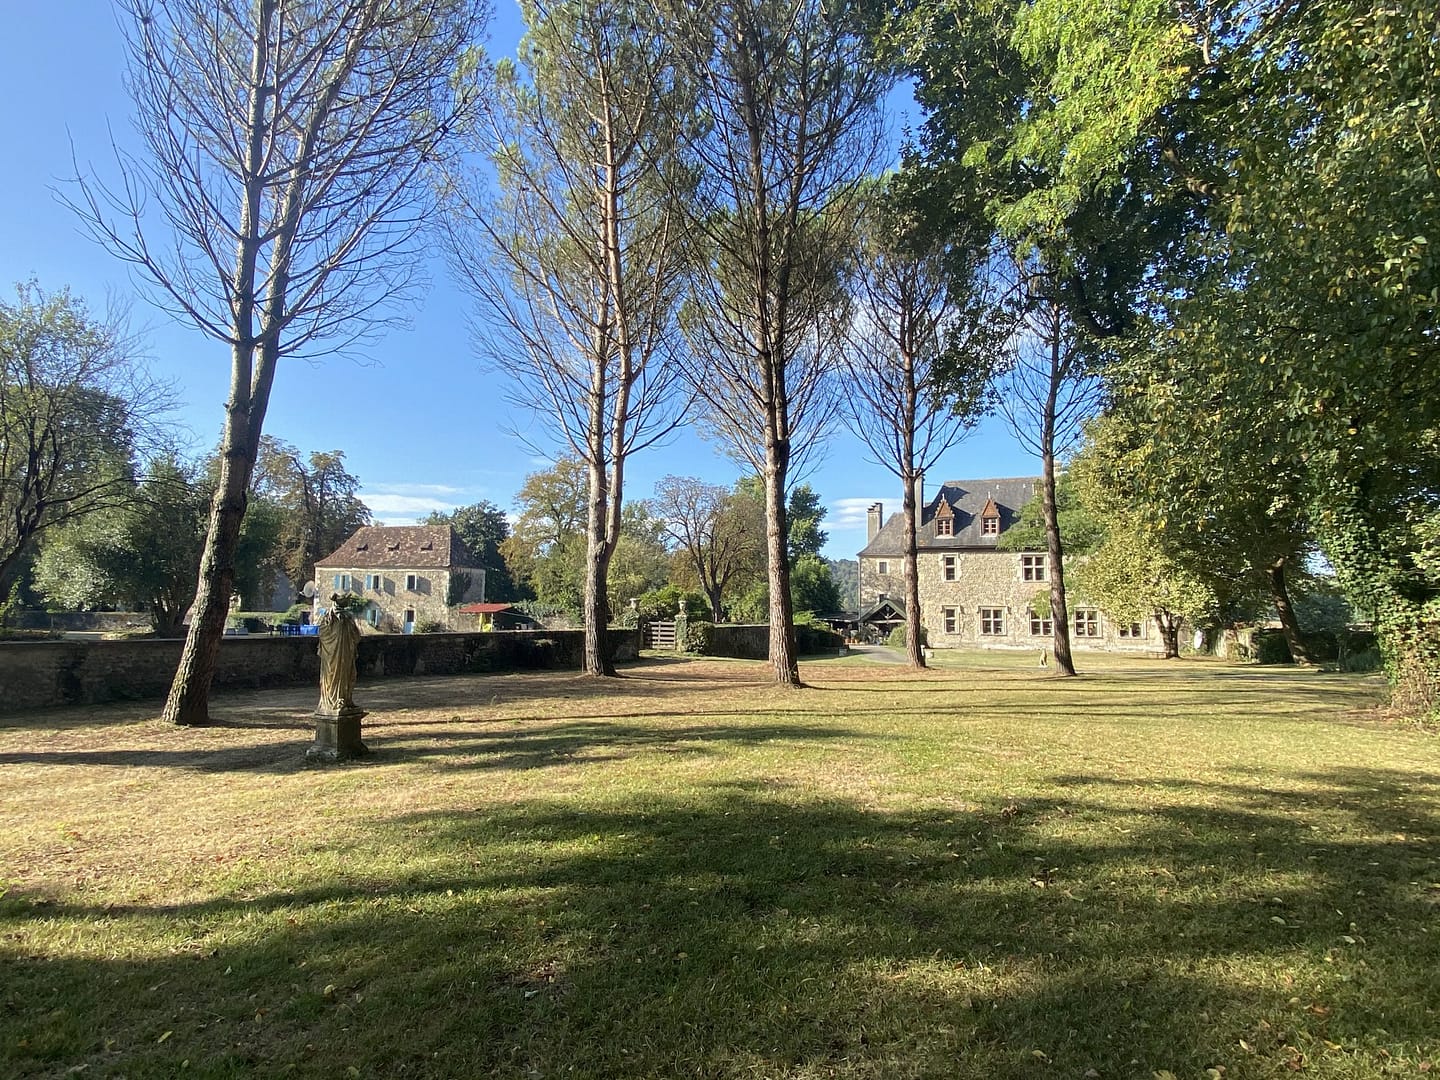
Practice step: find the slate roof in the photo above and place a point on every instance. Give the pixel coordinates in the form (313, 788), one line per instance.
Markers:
(968, 499)
(401, 547)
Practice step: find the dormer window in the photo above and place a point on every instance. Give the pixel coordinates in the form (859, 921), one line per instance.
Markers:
(944, 519)
(990, 526)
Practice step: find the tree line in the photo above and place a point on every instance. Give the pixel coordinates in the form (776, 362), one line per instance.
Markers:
(1197, 238)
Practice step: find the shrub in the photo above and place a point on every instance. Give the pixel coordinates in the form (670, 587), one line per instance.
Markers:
(896, 640)
(295, 613)
(431, 626)
(699, 635)
(810, 640)
(1270, 648)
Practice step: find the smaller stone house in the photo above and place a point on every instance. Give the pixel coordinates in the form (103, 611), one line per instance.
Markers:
(972, 594)
(411, 576)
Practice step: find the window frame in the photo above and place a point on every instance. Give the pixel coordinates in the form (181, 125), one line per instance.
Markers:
(412, 582)
(990, 526)
(994, 619)
(1085, 622)
(945, 526)
(1130, 631)
(375, 582)
(950, 617)
(949, 567)
(1046, 626)
(1034, 566)
(882, 567)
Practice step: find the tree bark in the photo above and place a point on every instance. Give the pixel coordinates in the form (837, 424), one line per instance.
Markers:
(1054, 549)
(914, 645)
(1169, 627)
(782, 613)
(1289, 624)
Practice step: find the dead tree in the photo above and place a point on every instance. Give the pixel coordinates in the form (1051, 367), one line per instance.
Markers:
(575, 263)
(285, 178)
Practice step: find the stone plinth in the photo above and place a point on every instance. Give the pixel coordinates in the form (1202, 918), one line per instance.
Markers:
(337, 736)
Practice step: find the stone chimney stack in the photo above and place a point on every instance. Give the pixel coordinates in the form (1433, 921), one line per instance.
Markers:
(874, 518)
(919, 496)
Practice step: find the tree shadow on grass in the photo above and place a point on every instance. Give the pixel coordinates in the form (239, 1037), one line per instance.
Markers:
(744, 930)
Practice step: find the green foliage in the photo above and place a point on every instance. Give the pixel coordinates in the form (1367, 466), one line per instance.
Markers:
(898, 639)
(811, 586)
(1081, 528)
(317, 499)
(803, 514)
(752, 605)
(296, 613)
(1270, 648)
(546, 548)
(668, 601)
(72, 400)
(484, 529)
(459, 584)
(698, 636)
(144, 554)
(431, 626)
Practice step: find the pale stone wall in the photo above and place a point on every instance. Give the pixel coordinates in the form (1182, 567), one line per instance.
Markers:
(987, 579)
(394, 598)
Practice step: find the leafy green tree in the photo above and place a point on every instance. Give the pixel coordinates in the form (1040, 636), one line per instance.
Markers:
(803, 514)
(318, 498)
(546, 545)
(642, 558)
(815, 589)
(74, 407)
(143, 554)
(1081, 529)
(484, 528)
(719, 532)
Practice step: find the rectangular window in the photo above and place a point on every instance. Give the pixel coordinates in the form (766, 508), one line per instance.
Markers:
(990, 526)
(945, 526)
(992, 621)
(374, 582)
(1032, 567)
(1131, 630)
(342, 582)
(411, 582)
(372, 615)
(952, 622)
(950, 567)
(1040, 627)
(409, 616)
(882, 567)
(1087, 622)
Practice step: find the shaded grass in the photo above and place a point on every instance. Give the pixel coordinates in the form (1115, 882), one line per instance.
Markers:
(974, 871)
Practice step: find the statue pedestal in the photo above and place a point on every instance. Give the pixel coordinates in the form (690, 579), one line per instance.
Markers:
(337, 736)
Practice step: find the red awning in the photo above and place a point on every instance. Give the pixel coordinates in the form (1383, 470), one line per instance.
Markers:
(483, 609)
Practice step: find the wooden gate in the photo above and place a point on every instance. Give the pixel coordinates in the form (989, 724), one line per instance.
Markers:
(659, 635)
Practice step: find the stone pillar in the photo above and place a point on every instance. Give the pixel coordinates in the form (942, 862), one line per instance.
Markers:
(873, 520)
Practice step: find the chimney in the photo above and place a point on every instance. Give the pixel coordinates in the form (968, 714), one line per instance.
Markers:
(874, 518)
(919, 497)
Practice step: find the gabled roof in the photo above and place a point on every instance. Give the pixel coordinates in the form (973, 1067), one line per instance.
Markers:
(885, 608)
(970, 500)
(401, 547)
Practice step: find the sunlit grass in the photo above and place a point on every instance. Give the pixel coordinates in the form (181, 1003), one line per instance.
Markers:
(976, 871)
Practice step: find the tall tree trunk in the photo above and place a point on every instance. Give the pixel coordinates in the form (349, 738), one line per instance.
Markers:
(189, 700)
(713, 594)
(1289, 624)
(1169, 627)
(914, 645)
(597, 567)
(1054, 550)
(782, 611)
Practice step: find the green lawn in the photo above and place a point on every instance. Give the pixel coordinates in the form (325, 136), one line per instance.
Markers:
(1157, 869)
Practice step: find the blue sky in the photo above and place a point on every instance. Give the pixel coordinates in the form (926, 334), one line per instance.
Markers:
(62, 85)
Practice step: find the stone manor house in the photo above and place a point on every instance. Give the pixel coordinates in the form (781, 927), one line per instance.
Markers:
(409, 576)
(971, 593)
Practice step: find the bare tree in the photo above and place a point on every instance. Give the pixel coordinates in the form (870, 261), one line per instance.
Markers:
(76, 407)
(1047, 393)
(925, 336)
(711, 524)
(576, 264)
(287, 146)
(791, 98)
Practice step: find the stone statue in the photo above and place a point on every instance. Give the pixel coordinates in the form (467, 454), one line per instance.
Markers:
(339, 642)
(337, 717)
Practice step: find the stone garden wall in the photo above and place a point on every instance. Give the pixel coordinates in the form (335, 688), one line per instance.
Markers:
(38, 675)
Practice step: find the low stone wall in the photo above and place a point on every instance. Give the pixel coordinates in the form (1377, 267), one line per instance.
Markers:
(103, 621)
(752, 641)
(42, 674)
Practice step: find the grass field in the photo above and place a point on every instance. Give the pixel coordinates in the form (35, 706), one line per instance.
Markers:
(1156, 870)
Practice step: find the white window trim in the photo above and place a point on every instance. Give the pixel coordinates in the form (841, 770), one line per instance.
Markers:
(995, 616)
(949, 567)
(412, 582)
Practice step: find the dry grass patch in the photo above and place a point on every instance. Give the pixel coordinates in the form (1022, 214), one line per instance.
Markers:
(976, 871)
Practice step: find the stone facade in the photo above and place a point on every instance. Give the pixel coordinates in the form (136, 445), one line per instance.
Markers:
(973, 595)
(411, 576)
